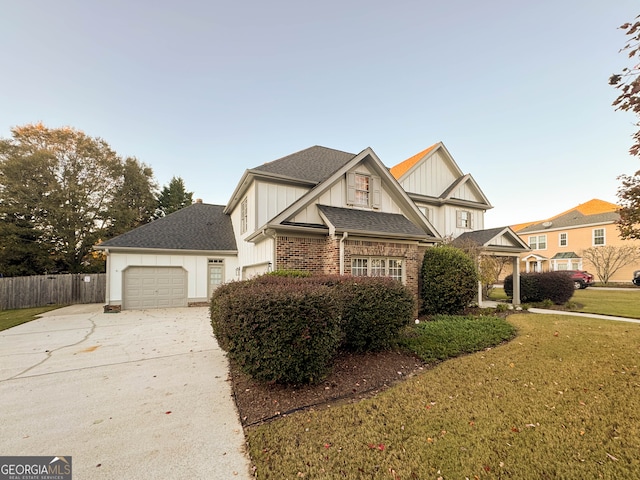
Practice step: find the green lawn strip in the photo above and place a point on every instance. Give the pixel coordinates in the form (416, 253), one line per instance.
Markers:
(620, 303)
(11, 318)
(450, 336)
(561, 400)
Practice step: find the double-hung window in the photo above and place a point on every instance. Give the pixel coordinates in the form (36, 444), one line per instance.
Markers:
(363, 182)
(598, 237)
(563, 239)
(538, 242)
(464, 219)
(244, 216)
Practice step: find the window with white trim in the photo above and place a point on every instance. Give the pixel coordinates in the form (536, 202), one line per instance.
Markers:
(377, 267)
(599, 237)
(538, 242)
(464, 219)
(563, 239)
(362, 189)
(244, 216)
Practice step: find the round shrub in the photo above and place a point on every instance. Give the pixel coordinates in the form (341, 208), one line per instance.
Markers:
(449, 281)
(282, 330)
(373, 309)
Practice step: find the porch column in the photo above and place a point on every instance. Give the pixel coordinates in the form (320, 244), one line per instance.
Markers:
(516, 281)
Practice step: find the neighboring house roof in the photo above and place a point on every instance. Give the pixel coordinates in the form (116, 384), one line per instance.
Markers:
(564, 255)
(313, 164)
(590, 213)
(493, 239)
(199, 226)
(363, 221)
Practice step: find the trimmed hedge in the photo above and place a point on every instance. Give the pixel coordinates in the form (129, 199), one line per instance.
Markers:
(278, 331)
(449, 281)
(288, 329)
(373, 309)
(540, 286)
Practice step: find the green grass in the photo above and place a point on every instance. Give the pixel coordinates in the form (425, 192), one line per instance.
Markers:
(620, 303)
(11, 318)
(561, 400)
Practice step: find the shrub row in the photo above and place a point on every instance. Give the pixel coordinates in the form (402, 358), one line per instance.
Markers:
(287, 329)
(537, 287)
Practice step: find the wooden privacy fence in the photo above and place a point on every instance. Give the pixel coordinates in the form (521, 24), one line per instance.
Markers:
(41, 290)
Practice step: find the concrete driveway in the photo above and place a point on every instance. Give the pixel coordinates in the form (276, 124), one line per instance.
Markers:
(137, 394)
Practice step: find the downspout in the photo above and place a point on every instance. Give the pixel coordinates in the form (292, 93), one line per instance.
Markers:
(274, 253)
(107, 292)
(344, 237)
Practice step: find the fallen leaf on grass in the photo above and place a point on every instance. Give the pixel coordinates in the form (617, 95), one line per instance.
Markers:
(612, 457)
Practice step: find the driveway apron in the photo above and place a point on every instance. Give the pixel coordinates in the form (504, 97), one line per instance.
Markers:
(137, 394)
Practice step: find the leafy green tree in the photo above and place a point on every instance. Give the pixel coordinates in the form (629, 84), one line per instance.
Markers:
(135, 201)
(62, 188)
(628, 82)
(173, 197)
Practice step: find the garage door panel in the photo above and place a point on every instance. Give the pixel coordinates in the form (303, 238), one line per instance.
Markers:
(154, 287)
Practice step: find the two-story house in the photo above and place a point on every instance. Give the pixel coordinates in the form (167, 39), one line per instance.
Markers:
(320, 210)
(557, 243)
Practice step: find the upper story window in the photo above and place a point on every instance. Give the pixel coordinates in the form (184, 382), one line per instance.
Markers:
(363, 183)
(563, 239)
(598, 237)
(244, 216)
(464, 219)
(538, 242)
(363, 190)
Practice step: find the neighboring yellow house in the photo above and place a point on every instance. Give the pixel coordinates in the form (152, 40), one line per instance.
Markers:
(557, 243)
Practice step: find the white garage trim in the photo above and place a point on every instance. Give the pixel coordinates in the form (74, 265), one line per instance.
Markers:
(154, 287)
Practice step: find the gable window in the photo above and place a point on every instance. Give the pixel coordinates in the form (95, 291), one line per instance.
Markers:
(464, 219)
(244, 216)
(377, 267)
(598, 236)
(563, 239)
(538, 242)
(363, 190)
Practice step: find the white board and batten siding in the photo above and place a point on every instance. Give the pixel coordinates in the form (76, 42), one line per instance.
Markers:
(431, 177)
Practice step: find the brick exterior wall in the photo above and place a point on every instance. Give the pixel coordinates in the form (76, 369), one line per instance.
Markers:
(322, 255)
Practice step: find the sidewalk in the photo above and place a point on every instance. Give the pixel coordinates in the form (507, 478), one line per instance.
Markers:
(491, 303)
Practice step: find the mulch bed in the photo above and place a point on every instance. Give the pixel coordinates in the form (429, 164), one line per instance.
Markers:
(354, 377)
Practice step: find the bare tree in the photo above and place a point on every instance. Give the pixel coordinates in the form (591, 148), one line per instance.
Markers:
(608, 259)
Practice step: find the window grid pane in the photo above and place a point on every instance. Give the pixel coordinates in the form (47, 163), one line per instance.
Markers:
(598, 236)
(377, 267)
(362, 190)
(359, 267)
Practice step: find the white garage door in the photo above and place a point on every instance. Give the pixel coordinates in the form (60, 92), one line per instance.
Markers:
(154, 287)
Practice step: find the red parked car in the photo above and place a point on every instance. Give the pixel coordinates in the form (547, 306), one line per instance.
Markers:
(581, 278)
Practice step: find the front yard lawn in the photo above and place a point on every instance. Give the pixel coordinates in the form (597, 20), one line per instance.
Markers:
(11, 318)
(561, 400)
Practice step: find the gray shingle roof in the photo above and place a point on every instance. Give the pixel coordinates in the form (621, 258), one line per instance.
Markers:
(346, 219)
(572, 219)
(199, 226)
(313, 164)
(479, 237)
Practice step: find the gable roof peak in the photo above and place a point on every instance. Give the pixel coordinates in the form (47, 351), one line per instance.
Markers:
(403, 167)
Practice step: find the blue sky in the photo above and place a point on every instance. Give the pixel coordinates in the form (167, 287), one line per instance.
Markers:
(517, 91)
